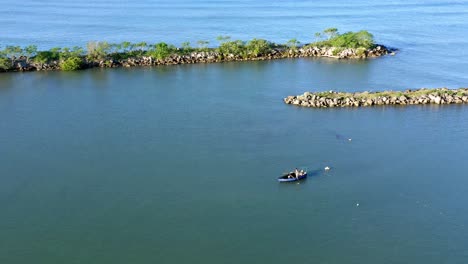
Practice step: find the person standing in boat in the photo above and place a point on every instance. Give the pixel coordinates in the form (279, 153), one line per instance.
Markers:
(297, 173)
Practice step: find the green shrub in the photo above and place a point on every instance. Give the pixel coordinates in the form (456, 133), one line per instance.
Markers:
(257, 47)
(161, 50)
(5, 64)
(12, 51)
(108, 63)
(330, 32)
(142, 46)
(235, 47)
(186, 48)
(337, 51)
(360, 52)
(46, 56)
(73, 52)
(30, 51)
(293, 44)
(360, 39)
(203, 45)
(72, 64)
(98, 50)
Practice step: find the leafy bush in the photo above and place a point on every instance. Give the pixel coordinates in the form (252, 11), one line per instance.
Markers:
(5, 64)
(293, 43)
(360, 52)
(235, 47)
(98, 50)
(257, 47)
(161, 50)
(337, 51)
(12, 51)
(74, 52)
(186, 48)
(360, 39)
(125, 46)
(73, 58)
(30, 51)
(46, 56)
(72, 64)
(330, 32)
(203, 45)
(141, 45)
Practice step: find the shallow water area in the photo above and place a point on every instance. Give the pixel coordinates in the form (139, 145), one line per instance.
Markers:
(168, 164)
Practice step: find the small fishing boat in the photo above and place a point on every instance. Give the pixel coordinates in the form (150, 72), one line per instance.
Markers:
(291, 177)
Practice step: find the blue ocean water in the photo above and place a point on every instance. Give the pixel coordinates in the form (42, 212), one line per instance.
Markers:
(178, 164)
(431, 35)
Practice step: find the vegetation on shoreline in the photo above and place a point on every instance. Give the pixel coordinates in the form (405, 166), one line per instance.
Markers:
(408, 97)
(77, 57)
(330, 37)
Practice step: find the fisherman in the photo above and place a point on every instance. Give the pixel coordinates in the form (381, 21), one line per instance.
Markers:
(297, 173)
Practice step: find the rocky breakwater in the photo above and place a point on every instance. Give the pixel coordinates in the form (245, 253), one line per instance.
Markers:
(340, 53)
(408, 97)
(277, 53)
(211, 56)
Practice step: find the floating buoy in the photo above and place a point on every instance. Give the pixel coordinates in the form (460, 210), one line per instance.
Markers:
(327, 168)
(349, 139)
(357, 205)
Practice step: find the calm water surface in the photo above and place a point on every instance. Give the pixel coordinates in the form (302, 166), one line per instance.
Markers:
(178, 164)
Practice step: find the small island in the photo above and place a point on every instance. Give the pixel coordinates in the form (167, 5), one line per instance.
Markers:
(329, 43)
(408, 97)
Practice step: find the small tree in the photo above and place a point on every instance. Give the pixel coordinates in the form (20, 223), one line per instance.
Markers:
(30, 51)
(13, 52)
(5, 63)
(125, 46)
(55, 53)
(222, 39)
(116, 47)
(76, 51)
(186, 48)
(353, 40)
(137, 49)
(142, 46)
(331, 32)
(203, 45)
(98, 50)
(364, 39)
(293, 44)
(132, 47)
(318, 36)
(43, 57)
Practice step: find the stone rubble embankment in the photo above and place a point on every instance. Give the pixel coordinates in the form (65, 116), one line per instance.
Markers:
(360, 99)
(23, 64)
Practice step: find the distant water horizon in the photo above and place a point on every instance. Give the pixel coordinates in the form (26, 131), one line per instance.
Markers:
(430, 35)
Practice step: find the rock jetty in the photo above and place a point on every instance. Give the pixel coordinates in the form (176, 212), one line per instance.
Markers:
(359, 99)
(211, 56)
